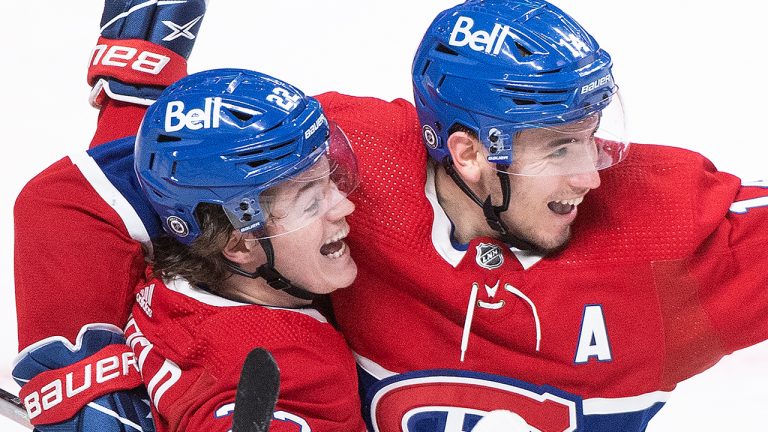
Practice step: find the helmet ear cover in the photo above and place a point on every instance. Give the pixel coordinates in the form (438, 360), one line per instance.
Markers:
(226, 136)
(499, 67)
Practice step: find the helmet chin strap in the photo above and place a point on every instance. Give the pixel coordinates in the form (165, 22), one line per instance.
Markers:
(273, 277)
(491, 212)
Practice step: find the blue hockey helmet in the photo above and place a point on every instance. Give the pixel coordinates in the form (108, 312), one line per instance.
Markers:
(236, 138)
(499, 67)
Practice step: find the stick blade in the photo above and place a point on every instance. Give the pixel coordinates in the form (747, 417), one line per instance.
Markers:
(257, 392)
(12, 408)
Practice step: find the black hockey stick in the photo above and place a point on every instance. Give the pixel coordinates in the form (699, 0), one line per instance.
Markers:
(257, 392)
(12, 408)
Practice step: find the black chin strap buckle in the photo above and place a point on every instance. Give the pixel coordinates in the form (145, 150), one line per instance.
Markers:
(492, 214)
(273, 278)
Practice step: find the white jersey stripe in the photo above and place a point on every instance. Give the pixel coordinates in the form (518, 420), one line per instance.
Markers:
(183, 287)
(624, 404)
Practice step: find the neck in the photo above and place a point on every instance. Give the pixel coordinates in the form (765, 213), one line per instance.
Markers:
(465, 215)
(257, 291)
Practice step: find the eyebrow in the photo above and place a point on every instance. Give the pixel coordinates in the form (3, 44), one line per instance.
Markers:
(302, 190)
(567, 140)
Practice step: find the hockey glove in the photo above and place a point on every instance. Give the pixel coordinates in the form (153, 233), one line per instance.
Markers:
(94, 385)
(143, 48)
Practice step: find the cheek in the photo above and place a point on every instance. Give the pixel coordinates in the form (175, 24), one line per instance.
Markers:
(538, 190)
(299, 245)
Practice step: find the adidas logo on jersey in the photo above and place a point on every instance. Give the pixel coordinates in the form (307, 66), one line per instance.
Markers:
(481, 40)
(206, 118)
(144, 299)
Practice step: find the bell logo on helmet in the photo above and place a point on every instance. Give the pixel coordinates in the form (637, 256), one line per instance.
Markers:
(480, 40)
(196, 118)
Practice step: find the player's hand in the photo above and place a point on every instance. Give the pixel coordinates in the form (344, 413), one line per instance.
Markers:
(93, 385)
(143, 48)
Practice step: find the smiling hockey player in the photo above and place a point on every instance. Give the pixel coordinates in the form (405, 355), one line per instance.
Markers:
(513, 251)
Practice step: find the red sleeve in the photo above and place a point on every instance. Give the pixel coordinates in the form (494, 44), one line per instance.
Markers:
(715, 300)
(732, 267)
(75, 263)
(117, 120)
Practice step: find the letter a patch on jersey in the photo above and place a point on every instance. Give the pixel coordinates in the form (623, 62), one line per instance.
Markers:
(593, 338)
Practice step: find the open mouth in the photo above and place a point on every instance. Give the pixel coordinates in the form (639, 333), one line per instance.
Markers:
(564, 207)
(335, 246)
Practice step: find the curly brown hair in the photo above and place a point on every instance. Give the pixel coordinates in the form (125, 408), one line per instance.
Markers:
(200, 263)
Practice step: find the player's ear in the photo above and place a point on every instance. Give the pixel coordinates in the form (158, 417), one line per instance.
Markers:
(241, 249)
(467, 154)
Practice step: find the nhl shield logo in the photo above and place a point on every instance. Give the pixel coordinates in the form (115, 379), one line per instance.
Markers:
(489, 256)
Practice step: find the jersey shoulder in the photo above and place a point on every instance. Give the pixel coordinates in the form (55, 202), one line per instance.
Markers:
(660, 203)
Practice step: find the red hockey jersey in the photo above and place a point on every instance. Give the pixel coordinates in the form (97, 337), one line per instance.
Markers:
(665, 274)
(191, 345)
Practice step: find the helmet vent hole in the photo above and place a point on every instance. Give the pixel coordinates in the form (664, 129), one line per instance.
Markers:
(173, 169)
(242, 116)
(519, 89)
(151, 161)
(256, 164)
(553, 71)
(167, 138)
(519, 101)
(445, 50)
(523, 51)
(426, 66)
(440, 83)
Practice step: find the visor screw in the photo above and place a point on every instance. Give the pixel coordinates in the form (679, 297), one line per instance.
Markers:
(246, 218)
(244, 206)
(493, 135)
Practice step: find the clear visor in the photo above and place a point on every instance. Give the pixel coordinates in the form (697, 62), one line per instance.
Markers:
(595, 141)
(307, 191)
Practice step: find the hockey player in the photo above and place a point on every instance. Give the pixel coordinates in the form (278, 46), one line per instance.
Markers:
(250, 181)
(70, 328)
(534, 262)
(471, 245)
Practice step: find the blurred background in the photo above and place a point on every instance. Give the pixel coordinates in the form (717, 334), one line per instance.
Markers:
(691, 74)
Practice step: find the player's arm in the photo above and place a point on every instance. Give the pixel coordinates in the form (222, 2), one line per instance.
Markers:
(77, 258)
(734, 279)
(143, 47)
(77, 252)
(715, 299)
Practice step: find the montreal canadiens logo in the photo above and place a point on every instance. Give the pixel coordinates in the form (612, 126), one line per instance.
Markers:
(489, 256)
(430, 137)
(178, 226)
(454, 401)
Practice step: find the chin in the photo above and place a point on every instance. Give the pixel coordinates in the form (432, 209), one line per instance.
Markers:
(552, 245)
(338, 280)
